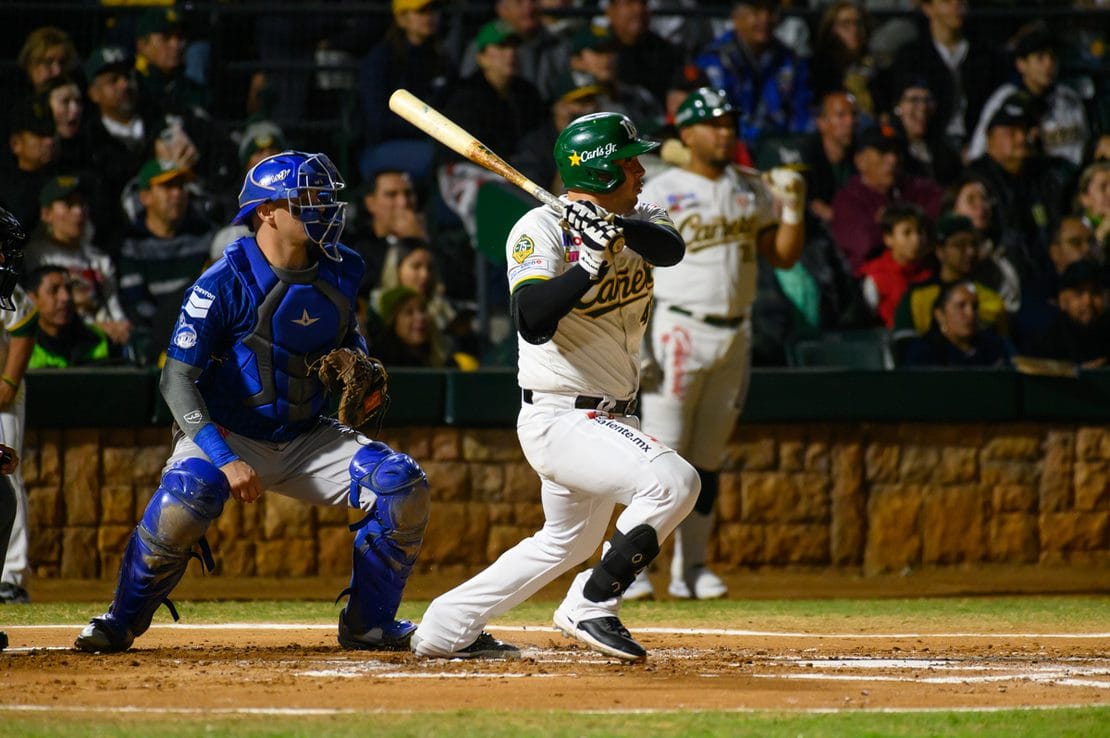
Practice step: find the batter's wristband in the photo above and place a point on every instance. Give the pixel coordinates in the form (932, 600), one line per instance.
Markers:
(8, 380)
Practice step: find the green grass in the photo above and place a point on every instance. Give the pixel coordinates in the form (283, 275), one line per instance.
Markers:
(1063, 723)
(1089, 613)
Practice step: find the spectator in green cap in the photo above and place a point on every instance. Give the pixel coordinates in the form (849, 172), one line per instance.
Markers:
(594, 60)
(163, 251)
(541, 54)
(495, 104)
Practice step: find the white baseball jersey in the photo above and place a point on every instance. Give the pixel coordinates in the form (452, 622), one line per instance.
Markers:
(720, 221)
(596, 350)
(16, 322)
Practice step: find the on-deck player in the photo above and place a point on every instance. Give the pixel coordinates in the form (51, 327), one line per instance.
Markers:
(580, 311)
(701, 332)
(248, 412)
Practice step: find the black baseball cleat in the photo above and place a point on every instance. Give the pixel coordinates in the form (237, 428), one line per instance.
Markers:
(394, 636)
(484, 646)
(3, 640)
(100, 637)
(13, 594)
(606, 634)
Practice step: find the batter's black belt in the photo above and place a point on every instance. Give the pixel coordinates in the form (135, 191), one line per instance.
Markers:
(717, 321)
(585, 402)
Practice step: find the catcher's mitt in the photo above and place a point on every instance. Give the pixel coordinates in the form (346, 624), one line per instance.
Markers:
(361, 382)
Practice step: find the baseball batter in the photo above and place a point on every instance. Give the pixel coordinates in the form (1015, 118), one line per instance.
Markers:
(580, 304)
(247, 411)
(701, 333)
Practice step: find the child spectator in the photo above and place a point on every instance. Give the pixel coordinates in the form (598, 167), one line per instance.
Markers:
(887, 277)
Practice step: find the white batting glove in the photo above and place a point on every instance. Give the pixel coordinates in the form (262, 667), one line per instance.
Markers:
(789, 188)
(598, 235)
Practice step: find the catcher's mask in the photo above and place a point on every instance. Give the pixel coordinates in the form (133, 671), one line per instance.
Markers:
(310, 184)
(11, 249)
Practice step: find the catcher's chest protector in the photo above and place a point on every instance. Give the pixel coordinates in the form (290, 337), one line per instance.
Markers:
(300, 317)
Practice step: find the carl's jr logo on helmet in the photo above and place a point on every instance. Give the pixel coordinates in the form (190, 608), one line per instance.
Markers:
(269, 179)
(577, 158)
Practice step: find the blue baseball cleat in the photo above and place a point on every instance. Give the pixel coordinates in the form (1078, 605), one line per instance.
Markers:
(392, 637)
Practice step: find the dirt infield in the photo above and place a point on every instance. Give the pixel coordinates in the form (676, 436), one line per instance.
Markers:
(810, 664)
(285, 668)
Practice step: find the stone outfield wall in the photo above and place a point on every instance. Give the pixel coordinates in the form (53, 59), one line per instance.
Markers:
(877, 497)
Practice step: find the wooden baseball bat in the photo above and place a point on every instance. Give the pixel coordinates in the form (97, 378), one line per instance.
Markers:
(450, 134)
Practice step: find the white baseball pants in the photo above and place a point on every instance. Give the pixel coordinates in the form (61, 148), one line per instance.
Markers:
(588, 462)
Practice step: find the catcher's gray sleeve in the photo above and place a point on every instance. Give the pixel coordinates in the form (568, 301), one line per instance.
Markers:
(179, 388)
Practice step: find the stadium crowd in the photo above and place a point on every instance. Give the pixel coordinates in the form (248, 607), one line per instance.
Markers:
(958, 182)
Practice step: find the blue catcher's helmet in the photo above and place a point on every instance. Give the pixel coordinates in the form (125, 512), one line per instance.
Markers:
(310, 183)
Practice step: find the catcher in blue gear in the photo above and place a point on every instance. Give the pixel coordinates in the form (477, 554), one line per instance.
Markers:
(243, 381)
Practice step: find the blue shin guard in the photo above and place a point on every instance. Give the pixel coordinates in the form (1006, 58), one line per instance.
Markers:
(190, 497)
(387, 542)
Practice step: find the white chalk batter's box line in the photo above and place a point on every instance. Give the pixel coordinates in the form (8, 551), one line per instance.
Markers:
(652, 630)
(327, 712)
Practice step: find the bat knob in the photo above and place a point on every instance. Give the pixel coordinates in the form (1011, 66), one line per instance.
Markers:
(617, 245)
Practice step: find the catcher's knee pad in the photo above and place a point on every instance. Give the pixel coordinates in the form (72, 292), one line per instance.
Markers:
(710, 488)
(629, 554)
(388, 539)
(190, 497)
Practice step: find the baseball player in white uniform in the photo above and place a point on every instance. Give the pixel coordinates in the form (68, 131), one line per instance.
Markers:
(18, 319)
(581, 298)
(700, 332)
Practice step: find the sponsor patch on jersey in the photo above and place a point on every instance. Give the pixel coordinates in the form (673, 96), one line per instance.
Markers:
(199, 303)
(193, 417)
(185, 337)
(523, 248)
(679, 201)
(650, 447)
(531, 266)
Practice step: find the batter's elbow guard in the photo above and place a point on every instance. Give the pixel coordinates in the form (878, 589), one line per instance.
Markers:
(629, 554)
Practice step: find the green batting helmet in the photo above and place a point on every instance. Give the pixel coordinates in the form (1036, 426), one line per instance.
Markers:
(701, 105)
(587, 150)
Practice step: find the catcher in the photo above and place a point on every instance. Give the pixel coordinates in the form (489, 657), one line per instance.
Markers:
(262, 336)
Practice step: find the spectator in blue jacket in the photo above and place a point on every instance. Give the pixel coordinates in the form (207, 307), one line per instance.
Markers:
(765, 81)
